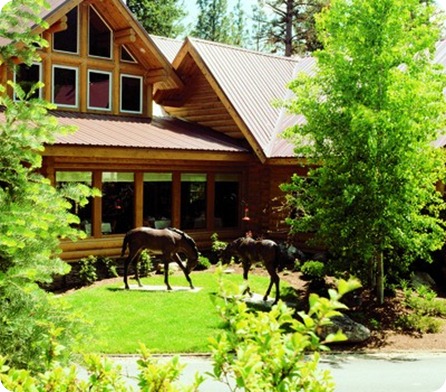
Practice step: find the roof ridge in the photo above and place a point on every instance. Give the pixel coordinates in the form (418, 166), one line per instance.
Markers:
(241, 49)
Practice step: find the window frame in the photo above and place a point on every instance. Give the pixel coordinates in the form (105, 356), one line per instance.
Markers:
(89, 34)
(40, 90)
(53, 75)
(89, 107)
(141, 95)
(77, 37)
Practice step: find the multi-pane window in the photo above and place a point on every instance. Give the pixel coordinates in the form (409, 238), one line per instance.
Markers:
(193, 200)
(131, 94)
(67, 40)
(117, 202)
(70, 178)
(99, 90)
(226, 201)
(99, 36)
(65, 86)
(27, 76)
(157, 200)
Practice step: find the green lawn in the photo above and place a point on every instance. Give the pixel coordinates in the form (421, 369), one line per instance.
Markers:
(165, 322)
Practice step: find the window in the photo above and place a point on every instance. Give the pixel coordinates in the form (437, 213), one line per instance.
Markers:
(158, 200)
(126, 55)
(193, 200)
(99, 90)
(99, 36)
(27, 76)
(68, 178)
(117, 202)
(131, 94)
(226, 202)
(65, 86)
(67, 40)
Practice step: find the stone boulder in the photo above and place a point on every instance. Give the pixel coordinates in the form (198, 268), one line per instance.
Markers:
(355, 332)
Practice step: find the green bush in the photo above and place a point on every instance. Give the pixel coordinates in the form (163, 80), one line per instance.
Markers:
(313, 270)
(110, 266)
(203, 263)
(145, 264)
(87, 270)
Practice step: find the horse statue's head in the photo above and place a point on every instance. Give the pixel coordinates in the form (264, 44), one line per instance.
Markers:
(231, 250)
(190, 249)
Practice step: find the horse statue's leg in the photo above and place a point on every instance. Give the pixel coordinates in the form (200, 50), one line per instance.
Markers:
(132, 256)
(274, 279)
(183, 268)
(246, 266)
(166, 260)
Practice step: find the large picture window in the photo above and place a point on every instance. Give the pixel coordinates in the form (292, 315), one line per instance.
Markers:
(193, 200)
(84, 213)
(117, 202)
(226, 202)
(131, 94)
(99, 90)
(65, 86)
(158, 200)
(99, 36)
(67, 40)
(27, 76)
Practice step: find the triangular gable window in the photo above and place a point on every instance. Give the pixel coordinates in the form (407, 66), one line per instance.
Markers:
(126, 56)
(67, 40)
(99, 36)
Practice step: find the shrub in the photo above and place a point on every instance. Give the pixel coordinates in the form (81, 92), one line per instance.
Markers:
(145, 264)
(203, 263)
(87, 270)
(313, 270)
(110, 266)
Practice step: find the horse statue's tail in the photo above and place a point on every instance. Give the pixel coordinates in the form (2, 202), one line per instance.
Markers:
(124, 244)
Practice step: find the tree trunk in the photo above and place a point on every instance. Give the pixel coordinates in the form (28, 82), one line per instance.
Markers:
(289, 29)
(380, 277)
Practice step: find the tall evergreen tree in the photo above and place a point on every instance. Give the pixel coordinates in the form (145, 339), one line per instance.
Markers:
(159, 17)
(213, 22)
(292, 27)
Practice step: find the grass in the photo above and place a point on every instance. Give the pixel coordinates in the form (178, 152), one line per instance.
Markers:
(165, 322)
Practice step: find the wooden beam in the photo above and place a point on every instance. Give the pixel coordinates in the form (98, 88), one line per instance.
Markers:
(125, 36)
(156, 75)
(60, 25)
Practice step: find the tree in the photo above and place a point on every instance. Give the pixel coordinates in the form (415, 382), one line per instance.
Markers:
(159, 17)
(291, 30)
(373, 109)
(33, 214)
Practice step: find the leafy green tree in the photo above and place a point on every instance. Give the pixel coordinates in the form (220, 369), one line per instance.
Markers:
(33, 214)
(373, 110)
(159, 17)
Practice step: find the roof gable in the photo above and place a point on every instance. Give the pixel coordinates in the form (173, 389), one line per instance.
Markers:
(245, 83)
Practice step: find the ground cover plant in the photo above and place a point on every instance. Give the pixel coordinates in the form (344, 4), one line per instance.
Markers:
(165, 322)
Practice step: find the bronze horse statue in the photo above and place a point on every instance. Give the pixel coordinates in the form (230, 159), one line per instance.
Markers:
(250, 250)
(168, 243)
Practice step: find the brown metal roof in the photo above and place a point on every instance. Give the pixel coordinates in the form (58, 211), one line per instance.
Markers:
(252, 81)
(159, 133)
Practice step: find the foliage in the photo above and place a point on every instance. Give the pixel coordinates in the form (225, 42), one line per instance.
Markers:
(268, 351)
(34, 216)
(214, 23)
(217, 245)
(313, 269)
(110, 266)
(373, 110)
(159, 17)
(145, 264)
(291, 29)
(203, 263)
(87, 270)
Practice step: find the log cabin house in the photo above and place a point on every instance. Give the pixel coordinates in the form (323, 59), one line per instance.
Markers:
(181, 134)
(210, 157)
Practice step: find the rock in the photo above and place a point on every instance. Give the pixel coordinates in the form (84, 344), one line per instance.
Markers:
(355, 332)
(419, 278)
